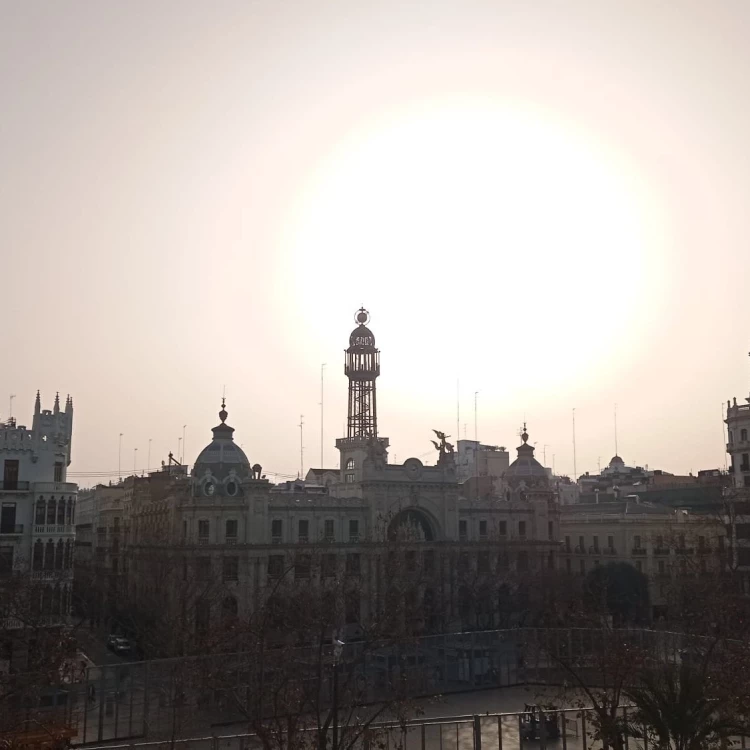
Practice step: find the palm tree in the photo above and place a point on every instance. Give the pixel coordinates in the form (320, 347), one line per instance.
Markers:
(675, 709)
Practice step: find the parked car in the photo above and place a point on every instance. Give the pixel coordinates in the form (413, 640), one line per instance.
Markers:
(118, 644)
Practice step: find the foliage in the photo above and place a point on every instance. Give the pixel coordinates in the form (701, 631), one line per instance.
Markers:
(620, 589)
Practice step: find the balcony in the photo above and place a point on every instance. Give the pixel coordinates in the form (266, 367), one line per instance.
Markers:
(14, 486)
(9, 529)
(202, 540)
(580, 550)
(684, 550)
(594, 551)
(231, 540)
(54, 529)
(661, 550)
(638, 551)
(609, 551)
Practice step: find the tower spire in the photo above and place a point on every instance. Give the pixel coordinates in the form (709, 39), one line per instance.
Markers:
(362, 367)
(57, 403)
(38, 404)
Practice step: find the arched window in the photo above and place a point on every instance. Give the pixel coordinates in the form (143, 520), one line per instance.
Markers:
(59, 554)
(49, 556)
(51, 509)
(743, 435)
(38, 555)
(68, 555)
(41, 508)
(61, 512)
(73, 511)
(47, 600)
(350, 464)
(69, 512)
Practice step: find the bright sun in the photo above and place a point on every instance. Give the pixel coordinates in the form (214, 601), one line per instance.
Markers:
(514, 224)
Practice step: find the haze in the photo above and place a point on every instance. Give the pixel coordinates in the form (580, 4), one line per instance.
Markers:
(547, 201)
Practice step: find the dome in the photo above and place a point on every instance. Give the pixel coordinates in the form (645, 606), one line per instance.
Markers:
(526, 468)
(616, 461)
(362, 336)
(222, 455)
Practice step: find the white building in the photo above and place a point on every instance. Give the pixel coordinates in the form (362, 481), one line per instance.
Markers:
(474, 459)
(37, 531)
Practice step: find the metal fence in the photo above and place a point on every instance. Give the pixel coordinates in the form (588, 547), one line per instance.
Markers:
(150, 699)
(562, 729)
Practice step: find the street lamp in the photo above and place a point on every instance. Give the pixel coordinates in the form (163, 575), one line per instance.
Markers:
(338, 650)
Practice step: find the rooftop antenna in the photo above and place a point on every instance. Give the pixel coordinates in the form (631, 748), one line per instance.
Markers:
(135, 460)
(119, 459)
(148, 462)
(458, 409)
(476, 432)
(575, 468)
(182, 459)
(10, 409)
(179, 450)
(544, 452)
(301, 447)
(322, 443)
(616, 452)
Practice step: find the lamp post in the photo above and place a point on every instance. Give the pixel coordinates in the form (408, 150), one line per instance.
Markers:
(338, 649)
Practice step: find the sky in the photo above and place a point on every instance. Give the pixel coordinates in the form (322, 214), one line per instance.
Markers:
(540, 203)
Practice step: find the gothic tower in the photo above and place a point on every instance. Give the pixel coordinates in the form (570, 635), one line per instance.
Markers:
(362, 367)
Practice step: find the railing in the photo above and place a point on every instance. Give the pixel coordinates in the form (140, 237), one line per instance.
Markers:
(203, 540)
(594, 550)
(610, 551)
(54, 528)
(580, 550)
(661, 550)
(12, 529)
(14, 486)
(231, 540)
(638, 551)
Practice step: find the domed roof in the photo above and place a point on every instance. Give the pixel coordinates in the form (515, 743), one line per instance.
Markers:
(222, 454)
(526, 468)
(616, 461)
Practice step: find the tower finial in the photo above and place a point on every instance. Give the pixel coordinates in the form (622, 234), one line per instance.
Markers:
(223, 413)
(524, 434)
(38, 403)
(57, 403)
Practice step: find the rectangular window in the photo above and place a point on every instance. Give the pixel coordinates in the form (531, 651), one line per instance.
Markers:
(744, 466)
(58, 471)
(463, 530)
(275, 566)
(8, 519)
(522, 529)
(349, 478)
(567, 544)
(610, 542)
(353, 563)
(550, 531)
(637, 541)
(353, 530)
(302, 567)
(203, 528)
(230, 569)
(203, 568)
(276, 527)
(483, 562)
(463, 562)
(328, 532)
(303, 531)
(328, 565)
(6, 559)
(503, 528)
(581, 544)
(596, 543)
(10, 475)
(115, 566)
(639, 566)
(483, 529)
(662, 567)
(231, 531)
(701, 543)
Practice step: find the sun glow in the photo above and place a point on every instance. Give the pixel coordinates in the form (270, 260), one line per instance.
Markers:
(503, 229)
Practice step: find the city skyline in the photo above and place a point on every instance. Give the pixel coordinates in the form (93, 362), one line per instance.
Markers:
(553, 214)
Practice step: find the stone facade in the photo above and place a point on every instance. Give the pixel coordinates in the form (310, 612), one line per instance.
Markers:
(37, 525)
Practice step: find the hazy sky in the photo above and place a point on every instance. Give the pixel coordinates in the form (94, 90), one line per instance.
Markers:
(547, 200)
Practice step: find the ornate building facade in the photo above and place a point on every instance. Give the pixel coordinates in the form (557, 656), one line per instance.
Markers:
(228, 524)
(37, 524)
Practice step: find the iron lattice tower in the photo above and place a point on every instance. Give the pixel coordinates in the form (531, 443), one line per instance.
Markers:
(362, 368)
